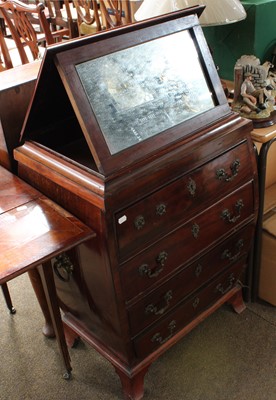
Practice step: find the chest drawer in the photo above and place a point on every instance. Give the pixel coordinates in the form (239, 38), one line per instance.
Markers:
(162, 300)
(166, 208)
(175, 249)
(163, 331)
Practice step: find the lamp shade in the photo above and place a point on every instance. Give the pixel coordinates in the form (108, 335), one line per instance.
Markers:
(217, 12)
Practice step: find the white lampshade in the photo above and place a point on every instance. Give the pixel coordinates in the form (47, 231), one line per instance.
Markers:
(217, 12)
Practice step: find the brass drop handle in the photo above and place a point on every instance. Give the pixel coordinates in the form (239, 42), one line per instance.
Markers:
(227, 254)
(153, 309)
(158, 337)
(162, 258)
(145, 270)
(63, 267)
(161, 209)
(223, 290)
(222, 175)
(139, 222)
(226, 215)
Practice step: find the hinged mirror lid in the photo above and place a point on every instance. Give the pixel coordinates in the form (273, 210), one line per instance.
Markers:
(129, 92)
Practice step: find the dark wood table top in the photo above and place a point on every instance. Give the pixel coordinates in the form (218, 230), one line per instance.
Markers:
(19, 75)
(33, 229)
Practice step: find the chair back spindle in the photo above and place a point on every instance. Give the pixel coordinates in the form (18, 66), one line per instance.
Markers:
(89, 19)
(115, 13)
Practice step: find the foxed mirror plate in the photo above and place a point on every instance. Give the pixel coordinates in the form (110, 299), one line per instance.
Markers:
(141, 91)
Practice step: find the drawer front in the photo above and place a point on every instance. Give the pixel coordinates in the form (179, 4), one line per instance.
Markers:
(161, 332)
(162, 300)
(165, 208)
(175, 249)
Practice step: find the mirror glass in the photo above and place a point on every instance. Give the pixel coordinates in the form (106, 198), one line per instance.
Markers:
(138, 92)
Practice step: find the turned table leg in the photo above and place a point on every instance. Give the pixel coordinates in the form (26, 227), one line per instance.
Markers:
(53, 306)
(7, 296)
(48, 329)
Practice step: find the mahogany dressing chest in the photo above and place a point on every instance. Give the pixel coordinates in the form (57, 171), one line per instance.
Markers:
(130, 131)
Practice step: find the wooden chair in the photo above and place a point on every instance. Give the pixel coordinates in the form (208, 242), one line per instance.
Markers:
(62, 15)
(97, 15)
(115, 13)
(118, 12)
(5, 58)
(24, 44)
(88, 15)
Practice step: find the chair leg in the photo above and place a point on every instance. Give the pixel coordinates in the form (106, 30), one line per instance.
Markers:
(7, 296)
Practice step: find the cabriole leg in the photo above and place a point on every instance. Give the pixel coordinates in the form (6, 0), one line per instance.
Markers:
(237, 302)
(133, 387)
(48, 329)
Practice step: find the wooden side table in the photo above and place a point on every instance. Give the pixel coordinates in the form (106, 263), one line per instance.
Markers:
(33, 230)
(265, 137)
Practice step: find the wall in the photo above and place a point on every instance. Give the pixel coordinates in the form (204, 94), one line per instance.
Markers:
(255, 35)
